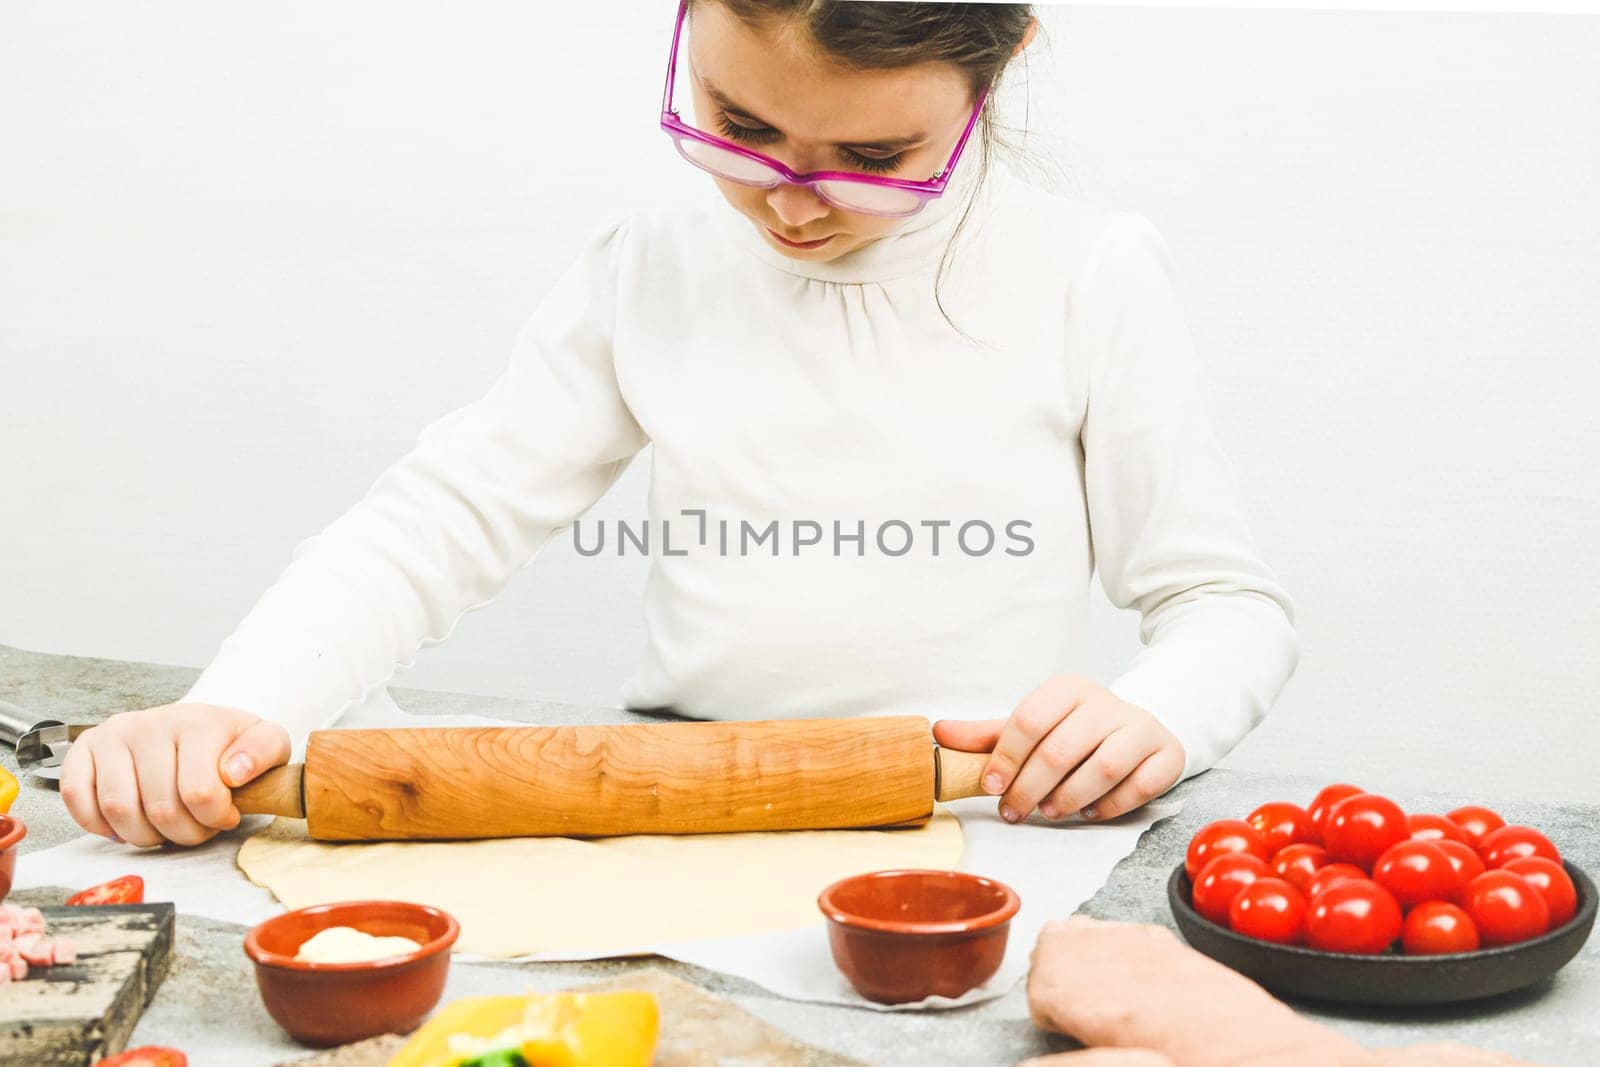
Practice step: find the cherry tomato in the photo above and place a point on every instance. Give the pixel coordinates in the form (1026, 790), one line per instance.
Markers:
(1553, 883)
(148, 1056)
(1475, 821)
(1296, 863)
(1356, 915)
(1269, 909)
(1282, 823)
(1468, 864)
(1506, 908)
(1513, 842)
(1224, 835)
(1324, 801)
(1361, 828)
(1434, 828)
(1220, 881)
(1437, 928)
(1416, 872)
(1330, 874)
(129, 889)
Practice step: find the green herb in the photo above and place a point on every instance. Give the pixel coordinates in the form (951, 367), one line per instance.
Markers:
(505, 1057)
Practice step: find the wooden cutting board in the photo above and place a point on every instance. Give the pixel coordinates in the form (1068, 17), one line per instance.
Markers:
(697, 1030)
(74, 1014)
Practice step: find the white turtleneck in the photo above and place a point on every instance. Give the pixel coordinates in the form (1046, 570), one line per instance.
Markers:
(1067, 416)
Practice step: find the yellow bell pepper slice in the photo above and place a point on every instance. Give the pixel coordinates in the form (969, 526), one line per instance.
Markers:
(591, 1030)
(474, 1016)
(8, 790)
(548, 1030)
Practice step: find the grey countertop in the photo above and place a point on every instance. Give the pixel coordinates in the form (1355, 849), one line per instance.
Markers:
(208, 1005)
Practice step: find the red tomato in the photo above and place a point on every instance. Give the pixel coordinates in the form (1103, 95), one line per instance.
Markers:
(1437, 928)
(1224, 835)
(1324, 801)
(1514, 842)
(1282, 823)
(1434, 828)
(1331, 873)
(148, 1056)
(1361, 828)
(1220, 881)
(1475, 821)
(1553, 883)
(1506, 908)
(1296, 863)
(1269, 909)
(129, 889)
(1416, 872)
(1356, 915)
(1468, 864)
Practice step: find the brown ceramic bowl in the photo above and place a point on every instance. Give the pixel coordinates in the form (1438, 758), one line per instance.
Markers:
(323, 1004)
(900, 936)
(12, 831)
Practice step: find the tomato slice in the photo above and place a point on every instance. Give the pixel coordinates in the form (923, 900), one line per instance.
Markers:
(129, 889)
(146, 1056)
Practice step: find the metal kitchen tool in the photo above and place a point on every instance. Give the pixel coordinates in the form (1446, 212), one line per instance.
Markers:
(41, 744)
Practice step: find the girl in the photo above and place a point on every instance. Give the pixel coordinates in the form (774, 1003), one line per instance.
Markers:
(903, 405)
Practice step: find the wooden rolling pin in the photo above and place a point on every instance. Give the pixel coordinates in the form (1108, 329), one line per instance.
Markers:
(601, 781)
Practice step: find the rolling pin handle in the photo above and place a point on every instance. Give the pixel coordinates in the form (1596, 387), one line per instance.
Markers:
(956, 774)
(280, 791)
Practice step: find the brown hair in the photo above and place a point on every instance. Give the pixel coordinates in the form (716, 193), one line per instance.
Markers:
(980, 39)
(884, 34)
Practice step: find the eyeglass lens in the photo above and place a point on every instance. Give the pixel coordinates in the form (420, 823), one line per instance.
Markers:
(851, 196)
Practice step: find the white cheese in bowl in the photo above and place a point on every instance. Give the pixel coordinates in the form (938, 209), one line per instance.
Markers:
(346, 944)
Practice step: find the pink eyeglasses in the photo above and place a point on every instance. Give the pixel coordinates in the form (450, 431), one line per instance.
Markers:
(869, 194)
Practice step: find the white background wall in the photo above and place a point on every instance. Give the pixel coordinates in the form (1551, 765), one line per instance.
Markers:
(246, 253)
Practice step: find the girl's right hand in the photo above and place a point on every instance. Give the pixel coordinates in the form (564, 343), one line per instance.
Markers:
(166, 773)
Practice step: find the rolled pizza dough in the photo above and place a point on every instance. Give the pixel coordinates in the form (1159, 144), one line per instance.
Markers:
(583, 899)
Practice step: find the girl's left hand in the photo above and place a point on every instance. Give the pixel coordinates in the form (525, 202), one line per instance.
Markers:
(1071, 746)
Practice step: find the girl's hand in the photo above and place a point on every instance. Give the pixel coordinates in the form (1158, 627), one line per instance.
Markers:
(165, 774)
(1071, 745)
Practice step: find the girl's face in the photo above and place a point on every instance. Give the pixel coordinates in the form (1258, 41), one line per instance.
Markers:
(768, 90)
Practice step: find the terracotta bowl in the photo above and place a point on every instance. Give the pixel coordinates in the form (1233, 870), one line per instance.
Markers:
(323, 1004)
(900, 936)
(12, 831)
